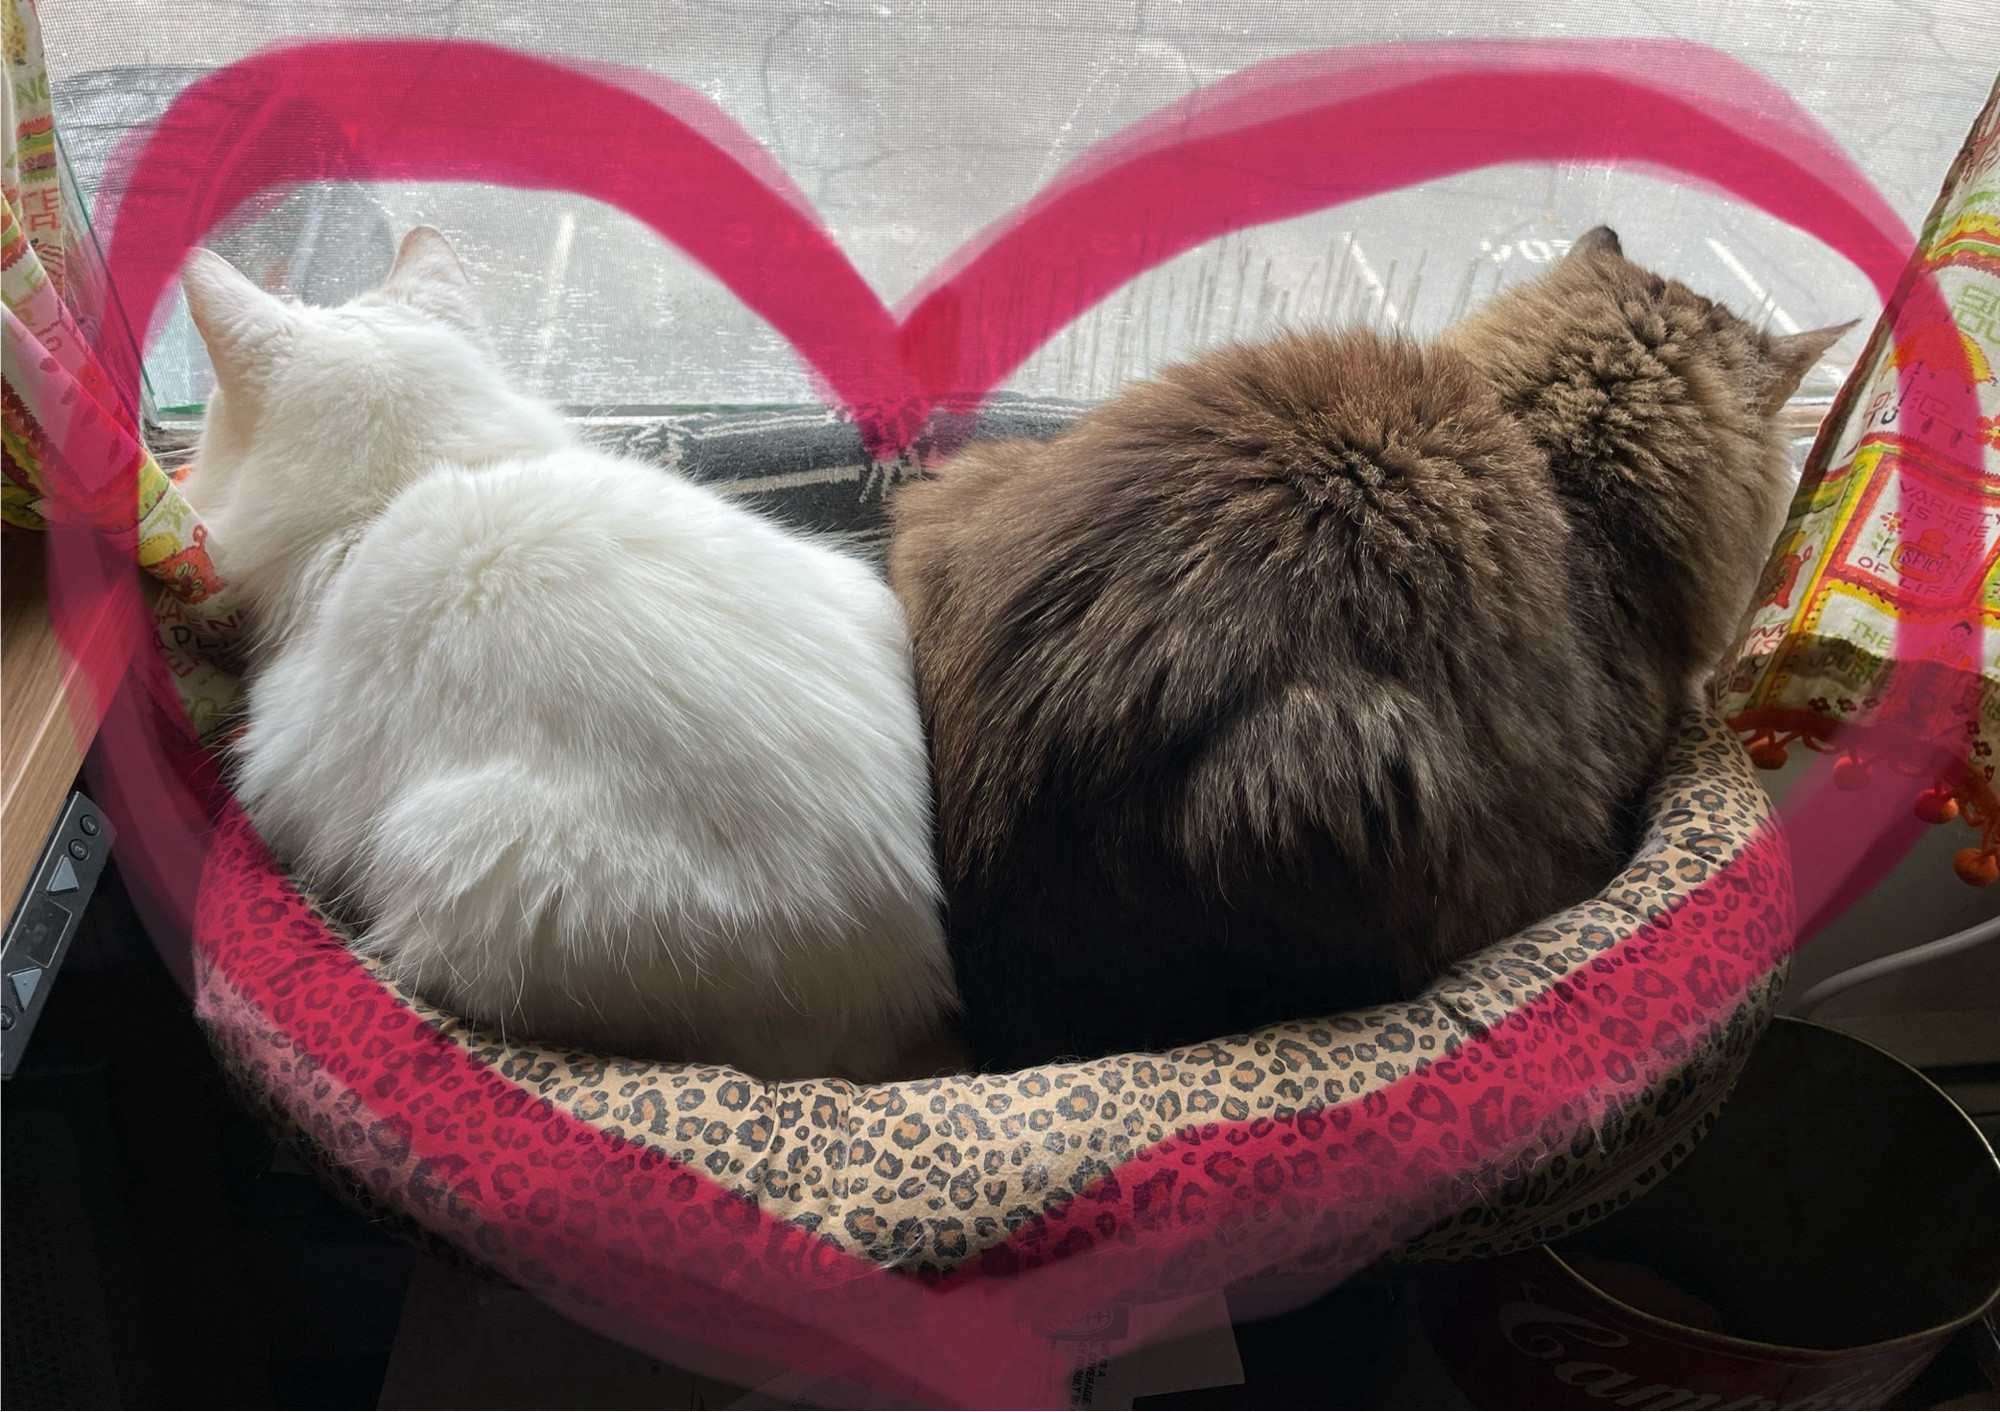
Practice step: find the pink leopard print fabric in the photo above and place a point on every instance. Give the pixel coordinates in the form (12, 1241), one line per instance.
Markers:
(1534, 1088)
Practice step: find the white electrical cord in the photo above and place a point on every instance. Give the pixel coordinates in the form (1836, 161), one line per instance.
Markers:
(1889, 965)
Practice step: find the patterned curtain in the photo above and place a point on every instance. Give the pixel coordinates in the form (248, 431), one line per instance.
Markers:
(1876, 537)
(64, 426)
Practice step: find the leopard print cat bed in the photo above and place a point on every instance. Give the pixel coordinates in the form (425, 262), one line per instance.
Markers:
(1534, 1088)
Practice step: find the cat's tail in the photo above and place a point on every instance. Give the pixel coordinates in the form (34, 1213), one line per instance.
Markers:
(516, 899)
(473, 884)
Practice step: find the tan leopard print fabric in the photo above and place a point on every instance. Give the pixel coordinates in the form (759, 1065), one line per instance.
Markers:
(931, 1176)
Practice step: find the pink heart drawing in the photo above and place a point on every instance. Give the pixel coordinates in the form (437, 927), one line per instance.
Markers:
(1271, 143)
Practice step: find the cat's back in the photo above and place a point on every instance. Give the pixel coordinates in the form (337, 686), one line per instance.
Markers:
(599, 752)
(1255, 683)
(608, 542)
(1353, 515)
(1278, 459)
(614, 629)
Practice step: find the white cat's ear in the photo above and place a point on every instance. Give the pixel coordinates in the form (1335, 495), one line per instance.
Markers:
(428, 277)
(236, 319)
(1793, 355)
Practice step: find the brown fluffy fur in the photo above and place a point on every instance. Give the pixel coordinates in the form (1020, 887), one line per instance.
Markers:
(1277, 683)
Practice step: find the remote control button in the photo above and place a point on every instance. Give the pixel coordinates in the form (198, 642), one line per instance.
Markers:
(88, 824)
(78, 849)
(23, 984)
(64, 877)
(39, 932)
(6, 1018)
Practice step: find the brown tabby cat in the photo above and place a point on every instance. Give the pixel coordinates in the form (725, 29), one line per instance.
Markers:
(1276, 684)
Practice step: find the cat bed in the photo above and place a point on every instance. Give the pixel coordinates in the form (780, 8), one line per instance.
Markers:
(1534, 1088)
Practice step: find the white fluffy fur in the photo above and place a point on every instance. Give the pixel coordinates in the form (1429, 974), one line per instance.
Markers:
(595, 754)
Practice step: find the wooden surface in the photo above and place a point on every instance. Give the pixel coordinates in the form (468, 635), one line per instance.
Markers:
(38, 746)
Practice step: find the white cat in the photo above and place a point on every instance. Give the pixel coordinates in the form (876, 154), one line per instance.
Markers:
(596, 755)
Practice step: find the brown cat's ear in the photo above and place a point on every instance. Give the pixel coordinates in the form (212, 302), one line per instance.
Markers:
(1793, 355)
(1598, 240)
(236, 320)
(428, 277)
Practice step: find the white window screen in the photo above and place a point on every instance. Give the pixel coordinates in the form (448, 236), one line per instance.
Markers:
(911, 126)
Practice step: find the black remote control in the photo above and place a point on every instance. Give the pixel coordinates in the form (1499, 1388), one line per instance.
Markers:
(38, 936)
